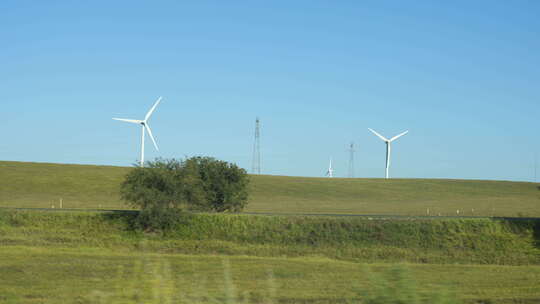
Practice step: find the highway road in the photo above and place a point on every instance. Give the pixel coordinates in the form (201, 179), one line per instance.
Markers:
(366, 216)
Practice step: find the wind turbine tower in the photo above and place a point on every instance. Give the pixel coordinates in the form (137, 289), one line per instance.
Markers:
(351, 160)
(388, 146)
(330, 172)
(145, 127)
(256, 165)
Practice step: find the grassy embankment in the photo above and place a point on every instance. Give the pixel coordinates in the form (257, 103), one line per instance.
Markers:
(88, 258)
(43, 185)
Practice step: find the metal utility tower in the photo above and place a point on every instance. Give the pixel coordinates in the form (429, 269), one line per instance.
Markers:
(256, 165)
(535, 166)
(351, 160)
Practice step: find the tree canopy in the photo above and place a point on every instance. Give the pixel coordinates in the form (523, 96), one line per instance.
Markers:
(166, 187)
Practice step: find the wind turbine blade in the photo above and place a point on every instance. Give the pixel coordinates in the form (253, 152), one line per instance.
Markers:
(151, 136)
(399, 135)
(152, 109)
(129, 120)
(379, 135)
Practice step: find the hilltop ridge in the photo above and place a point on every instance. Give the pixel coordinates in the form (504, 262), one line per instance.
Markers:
(42, 185)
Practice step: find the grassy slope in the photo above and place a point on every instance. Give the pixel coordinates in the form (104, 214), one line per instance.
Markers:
(92, 258)
(42, 185)
(471, 241)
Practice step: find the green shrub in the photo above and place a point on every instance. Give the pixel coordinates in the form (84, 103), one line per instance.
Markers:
(225, 184)
(164, 189)
(163, 184)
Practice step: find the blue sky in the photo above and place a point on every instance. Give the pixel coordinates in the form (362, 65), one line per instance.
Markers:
(462, 76)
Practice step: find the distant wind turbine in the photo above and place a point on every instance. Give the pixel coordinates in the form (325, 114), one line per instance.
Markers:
(145, 126)
(330, 172)
(388, 148)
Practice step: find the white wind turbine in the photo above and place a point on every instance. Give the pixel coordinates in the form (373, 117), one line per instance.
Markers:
(145, 126)
(330, 172)
(388, 148)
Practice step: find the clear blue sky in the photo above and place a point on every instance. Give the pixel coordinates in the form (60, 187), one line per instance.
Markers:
(462, 76)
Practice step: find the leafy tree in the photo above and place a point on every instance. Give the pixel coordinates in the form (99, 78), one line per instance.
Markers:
(225, 184)
(164, 189)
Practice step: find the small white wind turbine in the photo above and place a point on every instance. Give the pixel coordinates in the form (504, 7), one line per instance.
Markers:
(330, 172)
(388, 149)
(145, 126)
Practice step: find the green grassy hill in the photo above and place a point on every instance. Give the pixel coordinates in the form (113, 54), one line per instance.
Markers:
(81, 186)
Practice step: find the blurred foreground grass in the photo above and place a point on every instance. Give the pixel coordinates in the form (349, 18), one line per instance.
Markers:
(70, 275)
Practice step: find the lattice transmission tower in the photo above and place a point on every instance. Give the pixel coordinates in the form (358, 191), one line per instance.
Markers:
(256, 165)
(535, 166)
(351, 160)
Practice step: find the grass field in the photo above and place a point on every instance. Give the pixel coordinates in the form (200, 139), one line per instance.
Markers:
(46, 275)
(86, 257)
(79, 186)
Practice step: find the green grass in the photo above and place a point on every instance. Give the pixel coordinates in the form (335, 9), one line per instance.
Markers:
(86, 257)
(45, 275)
(472, 241)
(43, 185)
